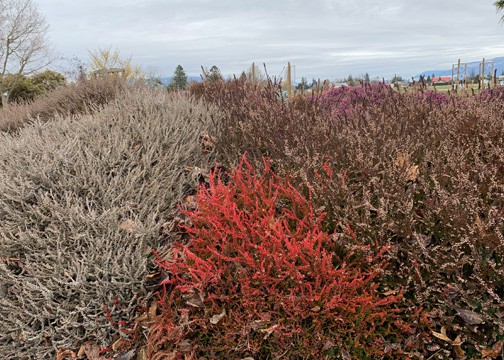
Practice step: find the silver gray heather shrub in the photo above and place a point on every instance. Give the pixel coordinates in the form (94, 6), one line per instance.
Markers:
(82, 203)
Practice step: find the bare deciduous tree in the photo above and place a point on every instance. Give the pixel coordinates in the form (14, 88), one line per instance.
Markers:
(24, 48)
(500, 6)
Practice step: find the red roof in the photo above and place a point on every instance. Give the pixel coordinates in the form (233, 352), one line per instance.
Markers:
(435, 79)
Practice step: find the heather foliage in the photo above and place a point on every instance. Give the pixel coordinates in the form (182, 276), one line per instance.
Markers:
(419, 171)
(83, 200)
(344, 99)
(83, 97)
(259, 277)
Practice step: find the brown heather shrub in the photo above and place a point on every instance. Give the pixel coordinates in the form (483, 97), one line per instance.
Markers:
(424, 175)
(79, 98)
(83, 199)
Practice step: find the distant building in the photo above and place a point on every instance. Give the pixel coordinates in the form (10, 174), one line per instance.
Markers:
(441, 80)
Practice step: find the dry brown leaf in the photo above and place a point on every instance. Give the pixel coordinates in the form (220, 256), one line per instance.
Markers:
(481, 227)
(92, 351)
(328, 345)
(193, 299)
(316, 309)
(433, 347)
(153, 310)
(185, 346)
(216, 318)
(495, 351)
(142, 318)
(442, 335)
(470, 317)
(120, 345)
(206, 140)
(271, 223)
(391, 292)
(412, 173)
(345, 355)
(422, 240)
(401, 160)
(457, 348)
(191, 201)
(62, 354)
(127, 355)
(259, 324)
(142, 354)
(268, 331)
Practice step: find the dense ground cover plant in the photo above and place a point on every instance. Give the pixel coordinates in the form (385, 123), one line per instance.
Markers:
(416, 170)
(74, 99)
(259, 277)
(83, 200)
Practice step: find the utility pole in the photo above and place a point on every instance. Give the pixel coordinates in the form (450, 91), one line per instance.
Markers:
(289, 81)
(465, 76)
(482, 75)
(458, 76)
(493, 74)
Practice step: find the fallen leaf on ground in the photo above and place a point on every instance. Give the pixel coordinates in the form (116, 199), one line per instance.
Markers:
(495, 351)
(216, 318)
(92, 351)
(120, 345)
(470, 317)
(412, 173)
(63, 354)
(268, 331)
(391, 292)
(457, 348)
(345, 355)
(442, 335)
(127, 356)
(185, 346)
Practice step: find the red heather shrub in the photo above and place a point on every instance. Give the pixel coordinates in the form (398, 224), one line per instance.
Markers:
(260, 278)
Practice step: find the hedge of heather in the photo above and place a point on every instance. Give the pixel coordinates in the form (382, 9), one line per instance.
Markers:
(85, 96)
(417, 170)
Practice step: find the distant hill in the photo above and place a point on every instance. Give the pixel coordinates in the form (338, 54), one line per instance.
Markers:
(471, 66)
(167, 80)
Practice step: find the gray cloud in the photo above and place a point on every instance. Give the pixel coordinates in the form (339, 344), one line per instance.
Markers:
(323, 38)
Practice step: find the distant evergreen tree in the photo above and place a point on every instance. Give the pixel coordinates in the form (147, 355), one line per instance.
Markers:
(214, 74)
(350, 80)
(366, 78)
(179, 80)
(428, 79)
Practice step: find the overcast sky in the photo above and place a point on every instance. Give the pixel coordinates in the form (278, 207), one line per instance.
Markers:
(322, 38)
